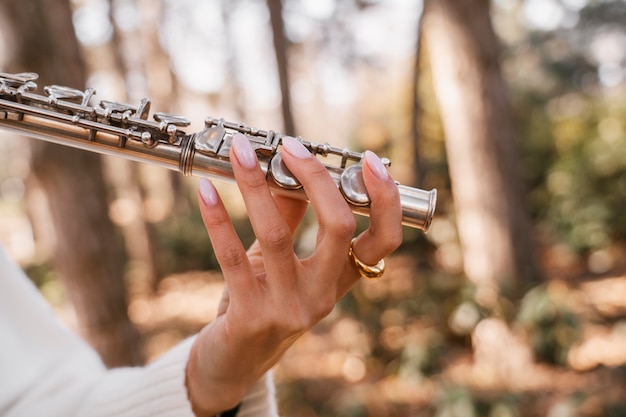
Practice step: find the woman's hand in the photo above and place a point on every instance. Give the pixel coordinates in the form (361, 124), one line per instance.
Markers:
(271, 296)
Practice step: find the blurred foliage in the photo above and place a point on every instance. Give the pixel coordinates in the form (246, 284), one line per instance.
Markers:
(570, 114)
(419, 324)
(550, 321)
(459, 401)
(416, 326)
(182, 240)
(572, 130)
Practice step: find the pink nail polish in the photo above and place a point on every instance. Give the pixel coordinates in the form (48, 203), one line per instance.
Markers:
(208, 192)
(376, 165)
(243, 151)
(295, 148)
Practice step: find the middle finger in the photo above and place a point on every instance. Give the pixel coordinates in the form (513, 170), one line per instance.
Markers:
(335, 219)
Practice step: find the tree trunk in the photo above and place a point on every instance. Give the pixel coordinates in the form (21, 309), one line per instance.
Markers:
(233, 85)
(123, 174)
(481, 145)
(416, 108)
(87, 252)
(280, 49)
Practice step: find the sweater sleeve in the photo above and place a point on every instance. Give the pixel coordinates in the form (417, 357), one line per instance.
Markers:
(48, 370)
(157, 390)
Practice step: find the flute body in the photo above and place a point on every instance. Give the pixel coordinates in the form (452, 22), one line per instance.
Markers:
(64, 116)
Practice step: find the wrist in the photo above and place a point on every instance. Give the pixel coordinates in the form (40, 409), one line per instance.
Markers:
(230, 413)
(210, 397)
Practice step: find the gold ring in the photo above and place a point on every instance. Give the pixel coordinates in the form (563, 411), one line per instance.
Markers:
(367, 271)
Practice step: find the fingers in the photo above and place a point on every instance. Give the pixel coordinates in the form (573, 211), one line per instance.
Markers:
(273, 232)
(274, 219)
(336, 221)
(292, 210)
(384, 234)
(227, 246)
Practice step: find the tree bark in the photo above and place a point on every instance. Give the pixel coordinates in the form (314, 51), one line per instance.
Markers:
(87, 253)
(123, 174)
(481, 144)
(416, 108)
(280, 49)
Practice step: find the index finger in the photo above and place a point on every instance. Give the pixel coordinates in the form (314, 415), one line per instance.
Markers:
(270, 227)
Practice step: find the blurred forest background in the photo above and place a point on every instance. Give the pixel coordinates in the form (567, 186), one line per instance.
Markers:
(513, 304)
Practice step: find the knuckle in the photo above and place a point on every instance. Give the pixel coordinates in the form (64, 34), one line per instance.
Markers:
(216, 222)
(231, 257)
(277, 239)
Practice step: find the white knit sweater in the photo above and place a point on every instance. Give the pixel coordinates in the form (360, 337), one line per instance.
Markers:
(46, 370)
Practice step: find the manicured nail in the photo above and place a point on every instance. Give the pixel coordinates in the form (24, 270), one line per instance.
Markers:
(376, 165)
(295, 148)
(243, 151)
(208, 192)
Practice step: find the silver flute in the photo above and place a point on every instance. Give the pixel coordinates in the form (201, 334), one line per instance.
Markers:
(64, 116)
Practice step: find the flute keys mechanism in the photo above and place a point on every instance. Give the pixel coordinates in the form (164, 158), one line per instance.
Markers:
(171, 119)
(17, 80)
(64, 115)
(281, 174)
(169, 123)
(352, 186)
(209, 140)
(115, 107)
(59, 92)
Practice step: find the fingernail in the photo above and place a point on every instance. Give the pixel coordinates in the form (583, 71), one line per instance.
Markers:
(243, 151)
(295, 148)
(376, 165)
(208, 192)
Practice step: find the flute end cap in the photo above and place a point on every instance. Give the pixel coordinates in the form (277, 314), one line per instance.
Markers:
(432, 205)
